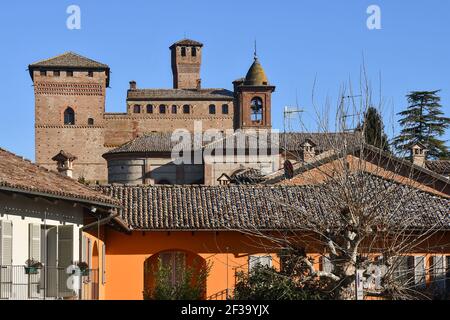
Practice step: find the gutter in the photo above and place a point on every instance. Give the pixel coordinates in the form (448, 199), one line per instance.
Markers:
(59, 197)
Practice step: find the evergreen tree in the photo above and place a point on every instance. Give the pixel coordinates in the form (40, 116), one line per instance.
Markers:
(423, 121)
(373, 128)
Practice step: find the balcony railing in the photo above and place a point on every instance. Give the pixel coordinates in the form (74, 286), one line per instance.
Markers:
(47, 283)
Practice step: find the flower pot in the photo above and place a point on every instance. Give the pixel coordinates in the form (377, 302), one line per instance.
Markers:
(31, 270)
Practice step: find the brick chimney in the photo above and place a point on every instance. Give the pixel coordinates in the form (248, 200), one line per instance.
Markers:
(309, 150)
(419, 154)
(64, 163)
(133, 85)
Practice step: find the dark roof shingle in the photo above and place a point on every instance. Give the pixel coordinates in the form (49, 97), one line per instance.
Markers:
(187, 208)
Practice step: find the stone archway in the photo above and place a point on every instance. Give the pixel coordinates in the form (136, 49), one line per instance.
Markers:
(171, 267)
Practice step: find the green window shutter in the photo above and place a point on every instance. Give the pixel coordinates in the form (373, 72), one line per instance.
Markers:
(65, 259)
(103, 264)
(34, 242)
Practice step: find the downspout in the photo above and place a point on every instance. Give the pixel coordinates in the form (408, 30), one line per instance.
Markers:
(97, 224)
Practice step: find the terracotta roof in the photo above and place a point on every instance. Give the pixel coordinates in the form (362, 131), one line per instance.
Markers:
(69, 60)
(354, 148)
(439, 166)
(180, 94)
(293, 141)
(187, 42)
(20, 175)
(150, 142)
(247, 176)
(161, 142)
(189, 208)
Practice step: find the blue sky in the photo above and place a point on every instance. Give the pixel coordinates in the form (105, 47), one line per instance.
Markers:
(298, 42)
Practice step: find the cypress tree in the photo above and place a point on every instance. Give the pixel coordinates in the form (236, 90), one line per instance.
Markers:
(373, 128)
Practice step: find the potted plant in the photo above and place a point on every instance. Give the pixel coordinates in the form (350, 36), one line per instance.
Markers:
(84, 268)
(32, 266)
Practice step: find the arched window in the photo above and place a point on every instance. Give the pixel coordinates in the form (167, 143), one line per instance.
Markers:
(149, 108)
(256, 109)
(212, 109)
(183, 51)
(174, 109)
(194, 51)
(162, 108)
(69, 117)
(90, 122)
(186, 109)
(137, 108)
(225, 109)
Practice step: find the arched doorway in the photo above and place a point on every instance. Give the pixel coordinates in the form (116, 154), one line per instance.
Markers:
(94, 272)
(175, 275)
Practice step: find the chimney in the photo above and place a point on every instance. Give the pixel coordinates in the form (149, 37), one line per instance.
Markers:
(419, 154)
(133, 85)
(309, 150)
(64, 163)
(199, 84)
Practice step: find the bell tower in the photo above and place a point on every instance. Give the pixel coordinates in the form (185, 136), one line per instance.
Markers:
(254, 98)
(186, 63)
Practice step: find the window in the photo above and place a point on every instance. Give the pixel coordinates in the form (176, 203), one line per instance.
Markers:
(149, 108)
(162, 109)
(253, 261)
(69, 73)
(183, 51)
(175, 263)
(256, 109)
(91, 74)
(212, 109)
(43, 73)
(90, 122)
(194, 51)
(56, 73)
(225, 109)
(186, 109)
(69, 117)
(137, 108)
(174, 109)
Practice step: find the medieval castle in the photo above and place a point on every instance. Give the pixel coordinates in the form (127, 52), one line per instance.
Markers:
(70, 93)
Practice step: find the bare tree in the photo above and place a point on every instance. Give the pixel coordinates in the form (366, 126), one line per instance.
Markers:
(367, 213)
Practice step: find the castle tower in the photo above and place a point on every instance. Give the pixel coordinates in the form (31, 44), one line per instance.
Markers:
(254, 99)
(186, 64)
(70, 95)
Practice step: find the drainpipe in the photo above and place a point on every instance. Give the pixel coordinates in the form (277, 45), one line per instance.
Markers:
(97, 224)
